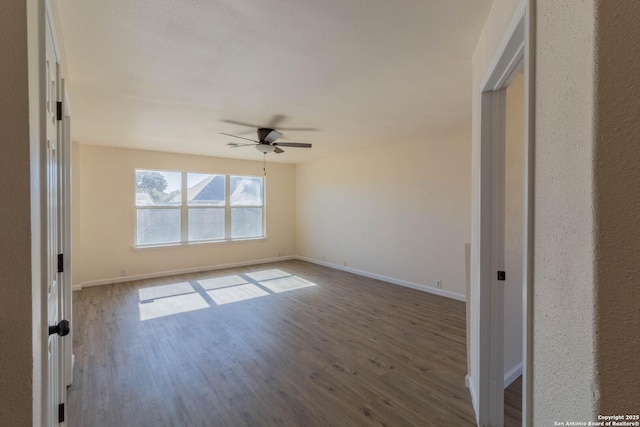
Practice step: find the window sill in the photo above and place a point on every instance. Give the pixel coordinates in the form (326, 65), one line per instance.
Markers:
(204, 242)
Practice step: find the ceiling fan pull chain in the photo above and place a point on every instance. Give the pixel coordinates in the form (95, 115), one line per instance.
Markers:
(264, 163)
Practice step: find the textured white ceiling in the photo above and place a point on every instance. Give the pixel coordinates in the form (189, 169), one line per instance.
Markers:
(163, 74)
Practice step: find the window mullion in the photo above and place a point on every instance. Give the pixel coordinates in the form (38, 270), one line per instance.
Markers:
(184, 211)
(227, 207)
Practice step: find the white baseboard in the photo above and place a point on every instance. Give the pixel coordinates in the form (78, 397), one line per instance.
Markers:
(392, 280)
(512, 374)
(468, 381)
(174, 272)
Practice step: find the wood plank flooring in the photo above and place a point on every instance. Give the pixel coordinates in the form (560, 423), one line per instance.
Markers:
(302, 345)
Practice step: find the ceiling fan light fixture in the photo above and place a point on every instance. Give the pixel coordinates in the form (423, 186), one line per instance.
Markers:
(265, 148)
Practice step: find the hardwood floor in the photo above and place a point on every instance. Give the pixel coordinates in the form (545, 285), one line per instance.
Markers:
(302, 345)
(513, 404)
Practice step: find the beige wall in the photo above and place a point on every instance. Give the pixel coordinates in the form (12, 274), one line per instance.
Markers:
(616, 175)
(400, 212)
(17, 308)
(76, 220)
(107, 215)
(513, 231)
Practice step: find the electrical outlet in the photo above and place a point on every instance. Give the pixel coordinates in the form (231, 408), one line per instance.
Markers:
(438, 283)
(279, 254)
(344, 263)
(124, 272)
(324, 258)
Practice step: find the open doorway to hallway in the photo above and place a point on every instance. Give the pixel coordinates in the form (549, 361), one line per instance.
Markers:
(513, 250)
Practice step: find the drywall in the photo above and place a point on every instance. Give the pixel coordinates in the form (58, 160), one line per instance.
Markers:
(564, 375)
(513, 229)
(400, 212)
(500, 16)
(585, 313)
(76, 258)
(18, 279)
(107, 215)
(617, 205)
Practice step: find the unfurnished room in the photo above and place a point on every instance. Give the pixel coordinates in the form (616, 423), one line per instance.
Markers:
(339, 213)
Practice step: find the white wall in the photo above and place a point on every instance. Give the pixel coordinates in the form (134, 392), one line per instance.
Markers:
(513, 232)
(107, 215)
(400, 211)
(586, 331)
(565, 383)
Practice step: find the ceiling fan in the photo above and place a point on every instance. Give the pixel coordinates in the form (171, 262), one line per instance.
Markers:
(266, 142)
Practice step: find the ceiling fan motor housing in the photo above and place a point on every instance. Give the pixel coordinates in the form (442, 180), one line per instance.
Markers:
(263, 133)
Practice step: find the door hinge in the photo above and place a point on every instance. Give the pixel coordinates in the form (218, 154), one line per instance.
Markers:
(60, 263)
(59, 110)
(61, 413)
(502, 275)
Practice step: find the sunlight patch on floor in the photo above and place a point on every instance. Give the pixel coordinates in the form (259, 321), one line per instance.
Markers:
(236, 293)
(274, 273)
(152, 309)
(182, 297)
(163, 291)
(222, 282)
(284, 284)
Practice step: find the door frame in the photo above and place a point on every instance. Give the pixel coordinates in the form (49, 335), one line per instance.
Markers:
(517, 48)
(46, 28)
(65, 225)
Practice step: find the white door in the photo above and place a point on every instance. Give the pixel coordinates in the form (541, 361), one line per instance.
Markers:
(64, 178)
(57, 327)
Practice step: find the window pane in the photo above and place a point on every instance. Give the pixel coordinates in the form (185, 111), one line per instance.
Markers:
(157, 226)
(246, 222)
(246, 191)
(206, 224)
(158, 188)
(205, 190)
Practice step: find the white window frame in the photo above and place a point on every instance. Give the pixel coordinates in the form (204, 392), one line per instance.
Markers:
(184, 211)
(230, 208)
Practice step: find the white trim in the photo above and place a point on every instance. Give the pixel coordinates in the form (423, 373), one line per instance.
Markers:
(511, 52)
(503, 63)
(528, 211)
(405, 283)
(468, 381)
(394, 281)
(196, 242)
(512, 374)
(180, 271)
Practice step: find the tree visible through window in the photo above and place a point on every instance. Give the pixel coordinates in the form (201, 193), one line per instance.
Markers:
(174, 207)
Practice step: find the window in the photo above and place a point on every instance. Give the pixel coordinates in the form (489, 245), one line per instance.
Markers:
(246, 207)
(158, 203)
(183, 207)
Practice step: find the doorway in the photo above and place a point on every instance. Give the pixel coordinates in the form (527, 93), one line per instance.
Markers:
(513, 251)
(498, 235)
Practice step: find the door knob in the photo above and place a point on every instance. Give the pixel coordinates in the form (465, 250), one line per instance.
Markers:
(62, 328)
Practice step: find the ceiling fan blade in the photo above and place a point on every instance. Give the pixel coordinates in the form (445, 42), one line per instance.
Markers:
(233, 122)
(236, 136)
(278, 150)
(300, 129)
(272, 136)
(292, 144)
(275, 120)
(236, 145)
